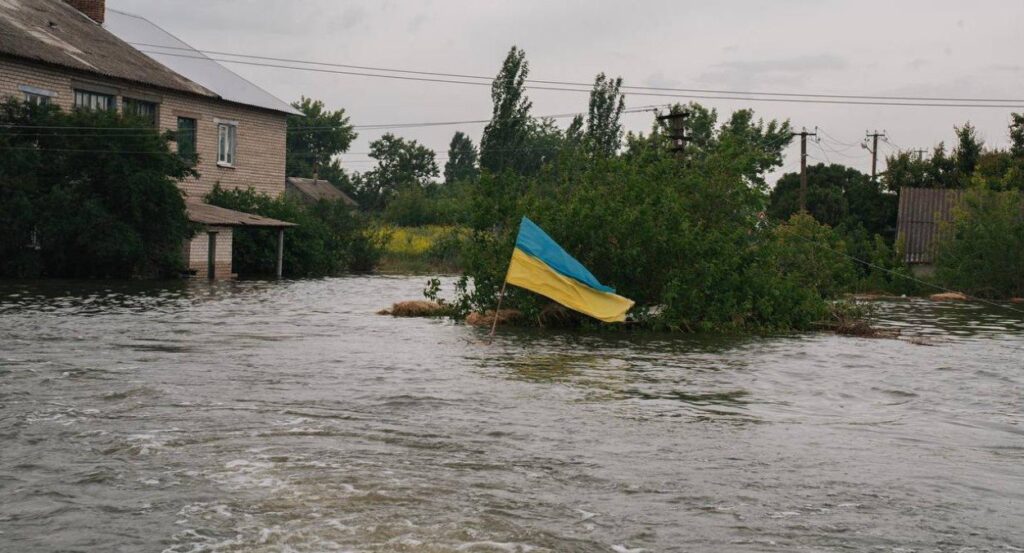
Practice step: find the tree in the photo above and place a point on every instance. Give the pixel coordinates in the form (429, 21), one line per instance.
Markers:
(506, 135)
(462, 157)
(315, 138)
(400, 163)
(838, 196)
(1017, 135)
(77, 206)
(967, 151)
(604, 128)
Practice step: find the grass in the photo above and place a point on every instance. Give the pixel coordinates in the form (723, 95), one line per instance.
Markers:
(420, 250)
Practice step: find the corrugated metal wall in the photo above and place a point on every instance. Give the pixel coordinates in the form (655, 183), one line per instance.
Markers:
(921, 212)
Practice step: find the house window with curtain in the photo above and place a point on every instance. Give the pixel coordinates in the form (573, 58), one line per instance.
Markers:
(94, 101)
(227, 141)
(142, 109)
(187, 138)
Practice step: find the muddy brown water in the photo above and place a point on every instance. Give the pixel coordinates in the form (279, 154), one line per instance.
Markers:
(287, 416)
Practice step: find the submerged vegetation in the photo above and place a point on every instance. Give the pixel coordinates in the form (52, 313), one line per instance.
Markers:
(329, 238)
(76, 207)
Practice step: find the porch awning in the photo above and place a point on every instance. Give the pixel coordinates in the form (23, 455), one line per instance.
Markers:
(212, 215)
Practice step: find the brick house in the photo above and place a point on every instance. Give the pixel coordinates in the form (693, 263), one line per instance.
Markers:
(79, 55)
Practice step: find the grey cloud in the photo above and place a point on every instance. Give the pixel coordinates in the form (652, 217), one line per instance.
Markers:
(778, 71)
(918, 64)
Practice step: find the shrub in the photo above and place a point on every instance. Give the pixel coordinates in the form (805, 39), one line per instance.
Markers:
(77, 206)
(982, 251)
(330, 239)
(684, 241)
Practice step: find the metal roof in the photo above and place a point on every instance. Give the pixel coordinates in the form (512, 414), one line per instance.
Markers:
(207, 214)
(922, 212)
(319, 189)
(168, 50)
(53, 32)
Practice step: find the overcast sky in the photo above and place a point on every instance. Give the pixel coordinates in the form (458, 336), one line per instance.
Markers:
(909, 47)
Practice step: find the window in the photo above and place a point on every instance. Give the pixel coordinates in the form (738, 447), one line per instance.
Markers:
(94, 100)
(37, 99)
(227, 138)
(37, 96)
(141, 108)
(187, 138)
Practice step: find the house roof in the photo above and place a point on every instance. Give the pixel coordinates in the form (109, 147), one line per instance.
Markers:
(168, 50)
(921, 214)
(53, 32)
(320, 189)
(207, 214)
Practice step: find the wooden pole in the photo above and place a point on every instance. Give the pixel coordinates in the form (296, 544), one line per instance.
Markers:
(501, 296)
(280, 252)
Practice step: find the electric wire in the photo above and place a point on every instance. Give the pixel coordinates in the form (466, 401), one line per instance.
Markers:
(573, 83)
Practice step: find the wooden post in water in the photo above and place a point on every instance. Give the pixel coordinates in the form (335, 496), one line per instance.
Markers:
(501, 296)
(280, 252)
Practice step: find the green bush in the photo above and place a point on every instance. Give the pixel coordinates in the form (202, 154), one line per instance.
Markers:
(330, 239)
(982, 251)
(88, 204)
(685, 241)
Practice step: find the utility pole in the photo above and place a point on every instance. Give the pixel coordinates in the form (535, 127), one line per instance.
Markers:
(676, 130)
(874, 136)
(920, 154)
(803, 166)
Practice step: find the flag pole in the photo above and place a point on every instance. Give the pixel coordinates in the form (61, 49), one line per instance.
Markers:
(497, 310)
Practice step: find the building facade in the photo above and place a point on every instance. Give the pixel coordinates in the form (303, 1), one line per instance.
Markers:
(68, 53)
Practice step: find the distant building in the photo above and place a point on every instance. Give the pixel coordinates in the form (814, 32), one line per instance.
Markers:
(922, 212)
(313, 190)
(79, 55)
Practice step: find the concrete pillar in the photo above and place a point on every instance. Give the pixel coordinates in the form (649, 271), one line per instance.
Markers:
(211, 255)
(280, 252)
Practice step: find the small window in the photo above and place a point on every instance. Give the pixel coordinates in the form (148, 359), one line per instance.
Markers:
(37, 96)
(94, 101)
(142, 109)
(227, 138)
(37, 99)
(187, 138)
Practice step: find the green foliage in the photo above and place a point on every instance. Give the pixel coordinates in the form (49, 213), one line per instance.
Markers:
(604, 114)
(887, 272)
(330, 239)
(507, 134)
(401, 164)
(315, 138)
(967, 151)
(982, 251)
(1017, 135)
(77, 206)
(683, 240)
(462, 157)
(837, 196)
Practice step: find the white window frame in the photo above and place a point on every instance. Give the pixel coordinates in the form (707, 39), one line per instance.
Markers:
(112, 99)
(227, 142)
(36, 95)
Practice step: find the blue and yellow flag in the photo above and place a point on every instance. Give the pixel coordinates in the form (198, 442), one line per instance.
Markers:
(540, 265)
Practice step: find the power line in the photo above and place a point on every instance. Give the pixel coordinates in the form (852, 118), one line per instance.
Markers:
(573, 83)
(709, 96)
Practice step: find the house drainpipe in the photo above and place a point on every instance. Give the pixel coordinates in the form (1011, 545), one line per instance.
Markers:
(280, 252)
(211, 256)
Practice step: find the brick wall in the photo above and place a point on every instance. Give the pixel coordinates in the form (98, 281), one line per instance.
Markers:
(197, 253)
(262, 134)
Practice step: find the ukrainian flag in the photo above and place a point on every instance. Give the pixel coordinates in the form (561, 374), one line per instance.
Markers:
(540, 265)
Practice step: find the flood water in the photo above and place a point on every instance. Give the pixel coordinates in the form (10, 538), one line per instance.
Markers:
(266, 416)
